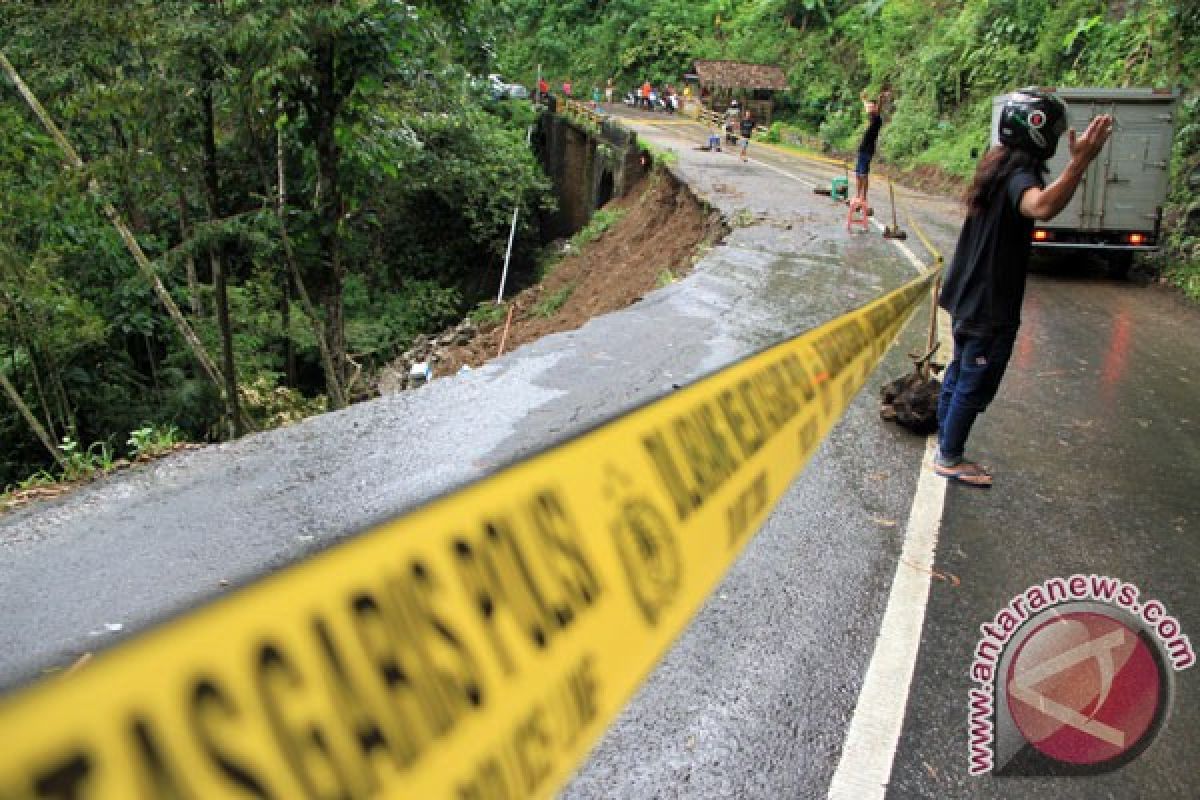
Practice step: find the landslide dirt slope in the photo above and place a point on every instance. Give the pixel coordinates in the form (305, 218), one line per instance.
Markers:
(658, 238)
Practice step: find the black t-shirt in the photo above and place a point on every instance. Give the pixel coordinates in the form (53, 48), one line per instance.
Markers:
(874, 123)
(747, 127)
(985, 282)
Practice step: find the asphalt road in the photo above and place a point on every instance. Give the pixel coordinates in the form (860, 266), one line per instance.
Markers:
(1094, 439)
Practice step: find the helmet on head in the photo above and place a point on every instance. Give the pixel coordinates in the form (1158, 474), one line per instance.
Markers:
(733, 104)
(1032, 120)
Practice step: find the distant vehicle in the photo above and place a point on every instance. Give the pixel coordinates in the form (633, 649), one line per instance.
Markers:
(1117, 209)
(503, 90)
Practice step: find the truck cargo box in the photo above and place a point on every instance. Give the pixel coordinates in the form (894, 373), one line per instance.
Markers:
(1118, 205)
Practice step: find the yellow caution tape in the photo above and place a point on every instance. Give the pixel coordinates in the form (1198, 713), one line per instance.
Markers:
(933, 251)
(475, 647)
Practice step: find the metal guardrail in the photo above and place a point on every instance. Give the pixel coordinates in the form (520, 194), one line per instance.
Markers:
(710, 117)
(578, 109)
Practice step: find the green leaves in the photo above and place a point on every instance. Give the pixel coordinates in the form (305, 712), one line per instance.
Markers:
(420, 175)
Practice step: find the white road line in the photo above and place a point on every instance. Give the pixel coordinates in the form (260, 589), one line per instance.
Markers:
(912, 258)
(784, 173)
(874, 732)
(866, 764)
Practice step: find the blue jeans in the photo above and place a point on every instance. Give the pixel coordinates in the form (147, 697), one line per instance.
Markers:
(968, 386)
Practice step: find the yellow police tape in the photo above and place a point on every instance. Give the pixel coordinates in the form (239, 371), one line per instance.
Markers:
(474, 648)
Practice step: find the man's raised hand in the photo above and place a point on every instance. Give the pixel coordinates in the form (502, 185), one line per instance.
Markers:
(1084, 148)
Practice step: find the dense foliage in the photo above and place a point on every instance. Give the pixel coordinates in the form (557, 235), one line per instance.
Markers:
(313, 183)
(944, 59)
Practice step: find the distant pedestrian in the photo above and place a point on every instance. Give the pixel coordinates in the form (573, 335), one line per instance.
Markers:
(543, 88)
(608, 92)
(866, 147)
(732, 116)
(566, 88)
(747, 130)
(985, 282)
(646, 87)
(714, 139)
(595, 97)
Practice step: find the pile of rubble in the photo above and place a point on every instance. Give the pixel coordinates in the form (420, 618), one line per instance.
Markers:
(416, 366)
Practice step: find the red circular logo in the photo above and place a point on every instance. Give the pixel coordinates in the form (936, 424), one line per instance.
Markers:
(1037, 119)
(1084, 688)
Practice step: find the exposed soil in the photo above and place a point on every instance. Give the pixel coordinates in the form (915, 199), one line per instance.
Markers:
(658, 239)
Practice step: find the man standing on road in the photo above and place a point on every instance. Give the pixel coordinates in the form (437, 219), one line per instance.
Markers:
(866, 147)
(985, 281)
(608, 92)
(747, 130)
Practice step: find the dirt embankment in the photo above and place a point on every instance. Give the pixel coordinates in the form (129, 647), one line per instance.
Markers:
(662, 232)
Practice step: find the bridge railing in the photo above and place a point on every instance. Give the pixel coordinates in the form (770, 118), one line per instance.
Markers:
(581, 110)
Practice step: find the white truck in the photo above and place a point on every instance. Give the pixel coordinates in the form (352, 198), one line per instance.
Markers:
(1117, 209)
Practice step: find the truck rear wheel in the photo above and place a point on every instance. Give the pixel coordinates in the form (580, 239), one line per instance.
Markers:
(1119, 264)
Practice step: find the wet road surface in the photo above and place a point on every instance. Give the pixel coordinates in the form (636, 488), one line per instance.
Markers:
(1095, 442)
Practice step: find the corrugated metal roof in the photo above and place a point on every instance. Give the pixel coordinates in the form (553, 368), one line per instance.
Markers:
(740, 75)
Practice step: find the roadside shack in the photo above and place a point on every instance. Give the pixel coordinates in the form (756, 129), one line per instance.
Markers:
(752, 85)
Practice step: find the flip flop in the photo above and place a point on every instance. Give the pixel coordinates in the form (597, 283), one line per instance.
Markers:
(968, 473)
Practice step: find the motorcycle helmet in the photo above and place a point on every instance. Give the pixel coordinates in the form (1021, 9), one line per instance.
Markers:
(1033, 120)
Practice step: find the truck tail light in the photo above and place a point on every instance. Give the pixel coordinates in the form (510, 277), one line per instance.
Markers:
(1136, 238)
(1041, 235)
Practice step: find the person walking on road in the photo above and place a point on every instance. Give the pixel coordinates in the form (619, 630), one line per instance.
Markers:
(866, 147)
(566, 88)
(985, 282)
(747, 130)
(732, 115)
(646, 88)
(608, 92)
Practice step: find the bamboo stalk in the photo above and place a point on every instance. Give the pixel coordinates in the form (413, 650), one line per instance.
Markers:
(24, 411)
(332, 384)
(114, 217)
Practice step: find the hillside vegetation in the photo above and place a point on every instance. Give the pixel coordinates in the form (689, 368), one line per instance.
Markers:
(312, 184)
(254, 204)
(944, 60)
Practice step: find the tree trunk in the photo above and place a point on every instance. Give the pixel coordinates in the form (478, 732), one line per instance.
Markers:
(23, 329)
(212, 194)
(333, 383)
(329, 200)
(24, 411)
(135, 249)
(189, 261)
(289, 347)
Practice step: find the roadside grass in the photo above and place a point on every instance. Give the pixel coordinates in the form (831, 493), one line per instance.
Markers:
(660, 155)
(549, 305)
(488, 312)
(742, 218)
(551, 257)
(600, 222)
(77, 464)
(1186, 276)
(665, 278)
